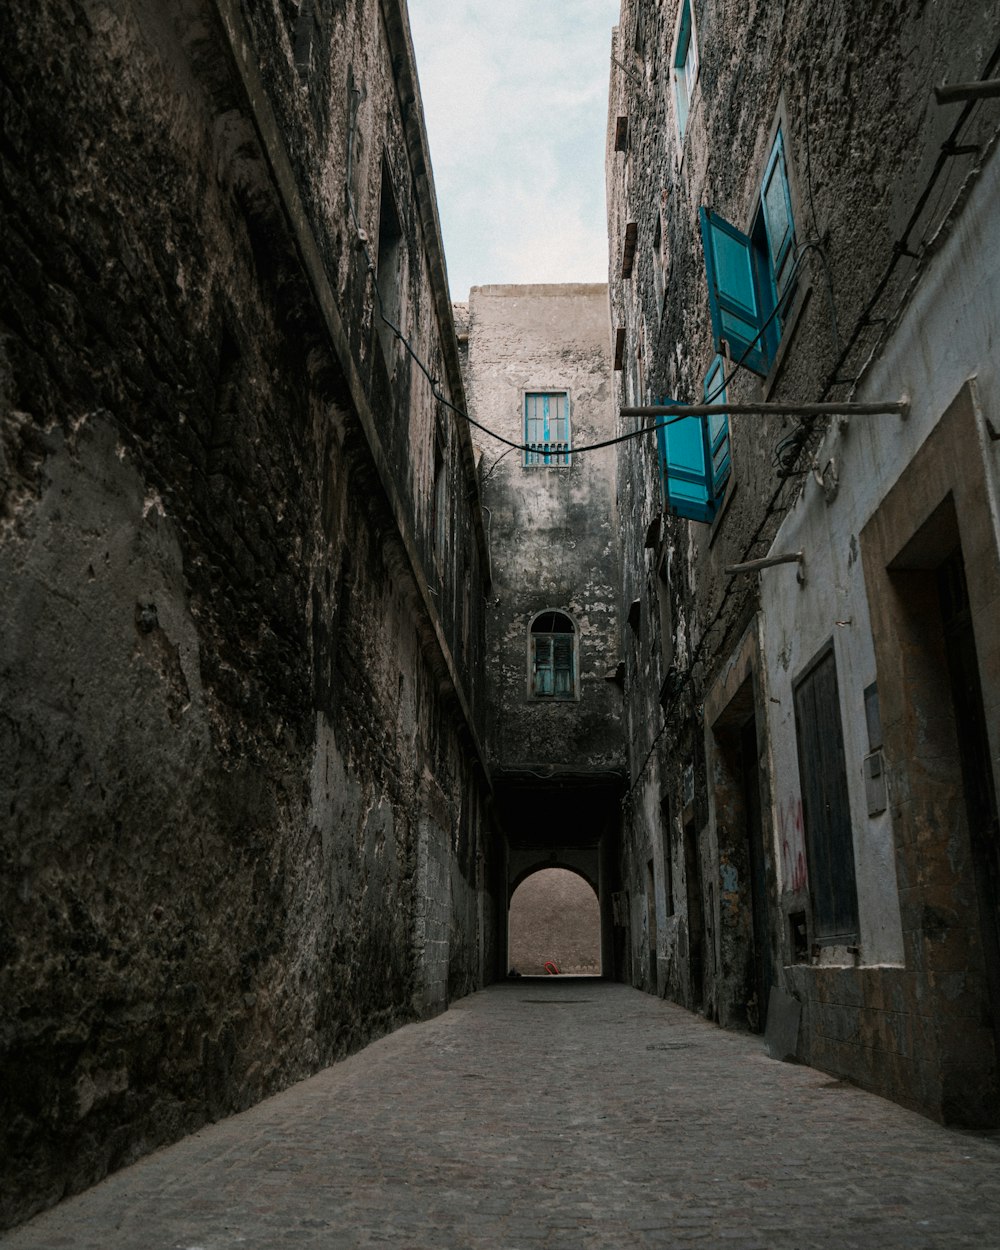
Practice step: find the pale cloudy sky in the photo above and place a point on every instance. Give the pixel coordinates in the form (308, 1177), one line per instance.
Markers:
(516, 98)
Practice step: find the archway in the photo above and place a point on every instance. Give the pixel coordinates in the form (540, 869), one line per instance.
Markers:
(555, 918)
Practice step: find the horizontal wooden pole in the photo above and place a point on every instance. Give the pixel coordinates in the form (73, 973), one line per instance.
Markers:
(751, 566)
(979, 90)
(900, 407)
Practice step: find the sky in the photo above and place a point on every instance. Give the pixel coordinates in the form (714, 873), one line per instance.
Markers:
(515, 99)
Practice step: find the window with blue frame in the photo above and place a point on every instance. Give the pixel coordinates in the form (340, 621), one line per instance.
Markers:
(552, 657)
(684, 66)
(694, 454)
(751, 277)
(546, 428)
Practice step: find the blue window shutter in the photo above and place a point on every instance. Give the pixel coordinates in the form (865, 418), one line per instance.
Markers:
(718, 425)
(731, 295)
(543, 674)
(685, 469)
(776, 201)
(683, 36)
(562, 665)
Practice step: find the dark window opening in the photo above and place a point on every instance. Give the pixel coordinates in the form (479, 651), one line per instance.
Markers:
(826, 814)
(305, 39)
(439, 501)
(388, 278)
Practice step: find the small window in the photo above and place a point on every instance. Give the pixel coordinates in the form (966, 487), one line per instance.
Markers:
(439, 500)
(546, 428)
(388, 276)
(304, 37)
(826, 813)
(694, 455)
(684, 67)
(621, 134)
(751, 277)
(553, 657)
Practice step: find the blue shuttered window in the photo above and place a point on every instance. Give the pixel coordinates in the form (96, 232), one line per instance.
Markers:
(718, 425)
(684, 467)
(553, 667)
(694, 455)
(685, 67)
(546, 428)
(776, 205)
(732, 290)
(751, 276)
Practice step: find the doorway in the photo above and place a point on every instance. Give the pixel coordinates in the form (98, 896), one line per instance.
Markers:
(555, 925)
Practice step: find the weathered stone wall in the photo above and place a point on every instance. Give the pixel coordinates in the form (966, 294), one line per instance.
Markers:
(853, 96)
(552, 539)
(556, 762)
(237, 727)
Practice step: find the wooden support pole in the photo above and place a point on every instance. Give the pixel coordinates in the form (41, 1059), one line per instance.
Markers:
(754, 566)
(900, 407)
(980, 90)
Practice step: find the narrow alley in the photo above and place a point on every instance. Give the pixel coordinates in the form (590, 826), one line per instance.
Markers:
(565, 1113)
(351, 600)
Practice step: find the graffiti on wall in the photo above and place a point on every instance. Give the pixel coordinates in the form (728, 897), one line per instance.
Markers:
(793, 849)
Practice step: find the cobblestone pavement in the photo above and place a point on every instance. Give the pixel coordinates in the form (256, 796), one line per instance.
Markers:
(560, 1115)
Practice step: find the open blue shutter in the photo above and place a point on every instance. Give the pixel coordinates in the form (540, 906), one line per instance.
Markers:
(685, 470)
(731, 296)
(718, 425)
(778, 222)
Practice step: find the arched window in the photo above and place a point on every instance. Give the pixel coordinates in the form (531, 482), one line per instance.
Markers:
(553, 657)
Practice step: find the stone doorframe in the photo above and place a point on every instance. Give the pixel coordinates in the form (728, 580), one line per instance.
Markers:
(945, 496)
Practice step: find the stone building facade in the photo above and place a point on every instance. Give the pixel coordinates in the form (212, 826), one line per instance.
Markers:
(299, 682)
(537, 364)
(243, 571)
(795, 217)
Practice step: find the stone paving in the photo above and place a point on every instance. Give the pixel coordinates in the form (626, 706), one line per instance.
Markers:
(552, 1115)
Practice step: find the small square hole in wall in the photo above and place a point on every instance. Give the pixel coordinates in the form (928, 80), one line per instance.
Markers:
(799, 935)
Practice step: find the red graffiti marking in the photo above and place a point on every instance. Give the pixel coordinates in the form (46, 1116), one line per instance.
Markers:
(793, 849)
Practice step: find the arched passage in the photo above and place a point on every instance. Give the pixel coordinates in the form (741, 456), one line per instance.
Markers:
(555, 917)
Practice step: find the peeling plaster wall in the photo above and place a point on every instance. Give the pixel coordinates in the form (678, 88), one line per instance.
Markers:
(552, 535)
(910, 917)
(245, 826)
(853, 97)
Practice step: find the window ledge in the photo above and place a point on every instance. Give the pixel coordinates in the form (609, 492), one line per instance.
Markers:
(794, 317)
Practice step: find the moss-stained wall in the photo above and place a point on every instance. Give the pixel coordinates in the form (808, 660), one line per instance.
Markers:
(552, 538)
(236, 724)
